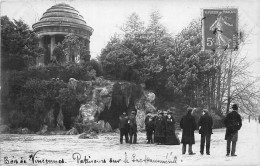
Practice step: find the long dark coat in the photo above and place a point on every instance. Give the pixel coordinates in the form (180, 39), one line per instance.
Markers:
(132, 123)
(146, 121)
(206, 124)
(150, 126)
(160, 127)
(188, 125)
(171, 138)
(233, 123)
(123, 122)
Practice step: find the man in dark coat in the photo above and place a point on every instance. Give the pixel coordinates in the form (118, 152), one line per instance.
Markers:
(188, 126)
(205, 129)
(123, 127)
(146, 121)
(132, 127)
(150, 130)
(160, 129)
(171, 138)
(259, 118)
(233, 123)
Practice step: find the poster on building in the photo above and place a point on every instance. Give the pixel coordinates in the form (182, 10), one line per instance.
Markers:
(220, 29)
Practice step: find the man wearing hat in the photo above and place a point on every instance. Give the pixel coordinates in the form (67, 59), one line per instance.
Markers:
(123, 127)
(205, 129)
(233, 123)
(146, 120)
(150, 129)
(132, 127)
(188, 126)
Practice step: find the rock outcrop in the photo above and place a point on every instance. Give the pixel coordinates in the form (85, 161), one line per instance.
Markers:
(92, 135)
(106, 100)
(23, 131)
(110, 101)
(43, 130)
(72, 131)
(102, 102)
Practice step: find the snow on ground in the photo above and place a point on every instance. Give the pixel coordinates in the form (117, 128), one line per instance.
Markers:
(107, 147)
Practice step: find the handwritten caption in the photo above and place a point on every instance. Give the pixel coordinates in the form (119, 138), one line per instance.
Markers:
(78, 158)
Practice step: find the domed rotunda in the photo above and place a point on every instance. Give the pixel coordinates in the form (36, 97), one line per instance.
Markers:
(57, 22)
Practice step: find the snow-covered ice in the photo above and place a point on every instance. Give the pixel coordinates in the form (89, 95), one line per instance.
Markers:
(107, 147)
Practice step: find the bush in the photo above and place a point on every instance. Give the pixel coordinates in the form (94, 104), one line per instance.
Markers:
(16, 118)
(97, 67)
(88, 127)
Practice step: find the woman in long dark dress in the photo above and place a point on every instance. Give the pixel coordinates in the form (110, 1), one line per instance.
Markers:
(171, 138)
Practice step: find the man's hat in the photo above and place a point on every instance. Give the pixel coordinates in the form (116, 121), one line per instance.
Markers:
(234, 107)
(189, 109)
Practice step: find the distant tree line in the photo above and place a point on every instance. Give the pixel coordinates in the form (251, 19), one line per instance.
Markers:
(176, 68)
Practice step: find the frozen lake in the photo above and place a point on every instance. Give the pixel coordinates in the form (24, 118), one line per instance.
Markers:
(72, 151)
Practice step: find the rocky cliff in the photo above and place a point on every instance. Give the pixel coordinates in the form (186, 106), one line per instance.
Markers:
(109, 99)
(102, 102)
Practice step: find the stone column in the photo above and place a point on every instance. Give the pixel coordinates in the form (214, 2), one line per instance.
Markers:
(40, 60)
(41, 42)
(52, 45)
(87, 44)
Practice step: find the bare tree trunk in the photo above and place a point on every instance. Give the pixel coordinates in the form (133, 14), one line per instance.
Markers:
(213, 84)
(208, 93)
(218, 105)
(229, 85)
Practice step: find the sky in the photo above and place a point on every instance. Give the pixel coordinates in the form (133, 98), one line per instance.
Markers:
(107, 16)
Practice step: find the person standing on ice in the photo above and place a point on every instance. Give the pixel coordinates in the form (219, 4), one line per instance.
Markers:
(160, 126)
(146, 120)
(132, 127)
(233, 123)
(123, 127)
(171, 138)
(150, 126)
(205, 129)
(188, 126)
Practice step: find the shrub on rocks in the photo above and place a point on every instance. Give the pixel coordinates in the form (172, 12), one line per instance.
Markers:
(72, 131)
(4, 129)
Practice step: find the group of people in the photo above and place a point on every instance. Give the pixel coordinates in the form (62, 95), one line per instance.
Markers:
(127, 125)
(188, 126)
(162, 129)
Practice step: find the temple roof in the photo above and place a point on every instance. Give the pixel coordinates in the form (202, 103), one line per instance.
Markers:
(62, 15)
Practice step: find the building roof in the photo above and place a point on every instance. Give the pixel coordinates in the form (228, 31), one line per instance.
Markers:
(62, 19)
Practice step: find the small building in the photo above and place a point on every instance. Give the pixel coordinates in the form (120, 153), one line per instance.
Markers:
(57, 22)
